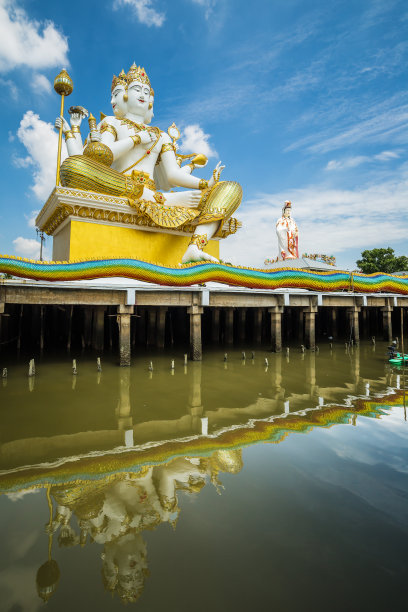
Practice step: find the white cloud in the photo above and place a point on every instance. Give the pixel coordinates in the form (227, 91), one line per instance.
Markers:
(208, 6)
(31, 218)
(357, 160)
(330, 221)
(27, 247)
(144, 11)
(25, 42)
(195, 140)
(40, 84)
(41, 141)
(9, 86)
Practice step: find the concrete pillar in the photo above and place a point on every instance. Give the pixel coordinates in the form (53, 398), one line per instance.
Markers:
(98, 331)
(241, 324)
(215, 325)
(194, 395)
(161, 326)
(387, 323)
(258, 325)
(354, 322)
(311, 374)
(151, 326)
(123, 319)
(196, 351)
(229, 326)
(276, 328)
(365, 327)
(333, 322)
(310, 327)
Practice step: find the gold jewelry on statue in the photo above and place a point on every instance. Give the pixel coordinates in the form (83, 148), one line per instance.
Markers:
(150, 106)
(192, 166)
(68, 134)
(106, 127)
(203, 184)
(200, 240)
(136, 140)
(125, 97)
(120, 80)
(137, 73)
(216, 176)
(75, 129)
(167, 147)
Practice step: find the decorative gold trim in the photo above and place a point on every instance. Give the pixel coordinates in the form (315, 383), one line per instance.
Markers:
(107, 127)
(200, 240)
(68, 134)
(75, 129)
(167, 147)
(203, 184)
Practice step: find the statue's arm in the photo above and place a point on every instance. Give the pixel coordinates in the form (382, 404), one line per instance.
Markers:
(73, 146)
(177, 176)
(121, 146)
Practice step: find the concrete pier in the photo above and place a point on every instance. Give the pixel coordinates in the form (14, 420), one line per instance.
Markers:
(42, 316)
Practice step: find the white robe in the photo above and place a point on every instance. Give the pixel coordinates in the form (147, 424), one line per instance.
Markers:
(287, 232)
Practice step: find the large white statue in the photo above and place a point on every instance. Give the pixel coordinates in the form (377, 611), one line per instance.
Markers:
(125, 156)
(287, 232)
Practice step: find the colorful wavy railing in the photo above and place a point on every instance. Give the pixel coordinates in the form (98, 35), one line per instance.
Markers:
(203, 272)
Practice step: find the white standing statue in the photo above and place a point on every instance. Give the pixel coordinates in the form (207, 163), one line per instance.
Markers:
(287, 232)
(125, 156)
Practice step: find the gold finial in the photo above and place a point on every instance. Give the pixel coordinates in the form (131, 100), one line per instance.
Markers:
(136, 73)
(63, 84)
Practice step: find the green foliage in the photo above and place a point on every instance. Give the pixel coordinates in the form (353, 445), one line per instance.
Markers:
(381, 260)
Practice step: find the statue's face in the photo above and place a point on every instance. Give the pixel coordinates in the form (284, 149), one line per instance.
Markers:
(139, 97)
(119, 106)
(286, 212)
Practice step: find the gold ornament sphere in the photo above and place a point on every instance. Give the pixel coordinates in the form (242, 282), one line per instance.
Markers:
(63, 84)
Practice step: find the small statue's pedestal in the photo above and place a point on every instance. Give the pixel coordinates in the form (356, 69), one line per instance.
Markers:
(87, 225)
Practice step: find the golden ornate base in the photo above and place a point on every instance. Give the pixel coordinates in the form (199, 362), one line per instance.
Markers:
(87, 225)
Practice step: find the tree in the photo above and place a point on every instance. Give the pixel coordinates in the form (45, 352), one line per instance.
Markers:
(381, 260)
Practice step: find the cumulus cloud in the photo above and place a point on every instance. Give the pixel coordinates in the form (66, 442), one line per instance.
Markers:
(330, 221)
(27, 247)
(195, 140)
(25, 42)
(31, 218)
(41, 141)
(40, 84)
(144, 11)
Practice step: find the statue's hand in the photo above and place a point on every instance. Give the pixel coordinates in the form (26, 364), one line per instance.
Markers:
(76, 119)
(61, 121)
(146, 138)
(216, 174)
(95, 136)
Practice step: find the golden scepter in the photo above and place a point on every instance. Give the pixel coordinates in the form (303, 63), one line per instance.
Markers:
(63, 85)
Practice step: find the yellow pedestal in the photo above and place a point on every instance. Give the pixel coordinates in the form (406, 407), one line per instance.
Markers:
(85, 240)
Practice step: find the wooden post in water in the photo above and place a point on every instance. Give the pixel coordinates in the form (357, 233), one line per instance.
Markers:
(161, 326)
(242, 324)
(354, 322)
(123, 319)
(258, 325)
(229, 326)
(98, 334)
(196, 351)
(276, 328)
(333, 322)
(215, 325)
(151, 326)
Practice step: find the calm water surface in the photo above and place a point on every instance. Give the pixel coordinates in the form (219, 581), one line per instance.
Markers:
(216, 486)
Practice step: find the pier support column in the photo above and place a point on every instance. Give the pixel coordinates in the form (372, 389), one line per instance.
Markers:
(333, 322)
(151, 326)
(354, 323)
(124, 410)
(310, 327)
(196, 351)
(161, 326)
(300, 324)
(229, 326)
(98, 328)
(364, 316)
(258, 325)
(123, 319)
(387, 323)
(276, 328)
(241, 324)
(215, 325)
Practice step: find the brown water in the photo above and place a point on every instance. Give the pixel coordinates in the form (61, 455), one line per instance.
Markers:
(197, 488)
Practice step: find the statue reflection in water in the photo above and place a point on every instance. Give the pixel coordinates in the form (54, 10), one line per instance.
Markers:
(115, 511)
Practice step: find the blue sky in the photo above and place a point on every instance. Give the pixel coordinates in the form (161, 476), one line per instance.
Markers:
(306, 101)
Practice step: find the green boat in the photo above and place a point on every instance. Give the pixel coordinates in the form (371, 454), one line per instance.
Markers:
(398, 358)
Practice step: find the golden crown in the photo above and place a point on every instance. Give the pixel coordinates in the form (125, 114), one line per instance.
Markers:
(136, 73)
(120, 80)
